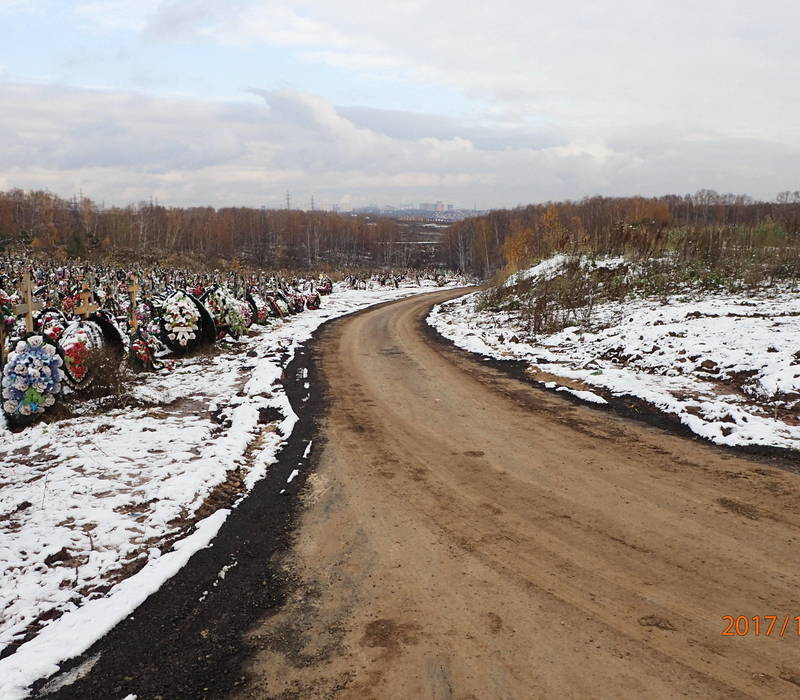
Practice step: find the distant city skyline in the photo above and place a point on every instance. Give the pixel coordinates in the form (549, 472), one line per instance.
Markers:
(198, 103)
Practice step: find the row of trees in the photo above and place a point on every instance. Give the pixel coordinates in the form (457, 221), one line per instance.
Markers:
(293, 238)
(278, 238)
(483, 245)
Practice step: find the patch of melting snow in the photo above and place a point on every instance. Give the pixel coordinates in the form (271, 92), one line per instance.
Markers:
(544, 270)
(72, 634)
(295, 472)
(69, 677)
(225, 569)
(589, 396)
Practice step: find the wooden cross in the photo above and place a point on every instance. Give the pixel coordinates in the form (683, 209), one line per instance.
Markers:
(87, 305)
(28, 305)
(133, 291)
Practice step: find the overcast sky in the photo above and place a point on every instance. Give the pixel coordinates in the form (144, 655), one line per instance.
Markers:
(399, 101)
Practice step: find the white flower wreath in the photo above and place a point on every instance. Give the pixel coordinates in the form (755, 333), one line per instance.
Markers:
(181, 319)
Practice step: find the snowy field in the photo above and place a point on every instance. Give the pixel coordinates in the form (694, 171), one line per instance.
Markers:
(99, 508)
(728, 366)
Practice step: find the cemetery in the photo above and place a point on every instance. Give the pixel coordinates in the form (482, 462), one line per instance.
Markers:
(62, 325)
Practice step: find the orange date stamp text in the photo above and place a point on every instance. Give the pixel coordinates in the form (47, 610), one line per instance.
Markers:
(761, 625)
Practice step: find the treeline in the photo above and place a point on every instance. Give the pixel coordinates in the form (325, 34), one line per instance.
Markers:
(502, 239)
(78, 227)
(703, 223)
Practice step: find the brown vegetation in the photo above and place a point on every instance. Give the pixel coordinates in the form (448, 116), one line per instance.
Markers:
(706, 224)
(671, 246)
(703, 226)
(78, 227)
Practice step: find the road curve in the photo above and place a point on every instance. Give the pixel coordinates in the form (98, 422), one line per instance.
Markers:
(467, 535)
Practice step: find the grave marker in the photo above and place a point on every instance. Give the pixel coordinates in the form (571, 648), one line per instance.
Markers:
(133, 291)
(87, 305)
(28, 305)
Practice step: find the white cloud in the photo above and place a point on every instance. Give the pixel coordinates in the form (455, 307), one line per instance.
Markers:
(626, 62)
(121, 147)
(570, 98)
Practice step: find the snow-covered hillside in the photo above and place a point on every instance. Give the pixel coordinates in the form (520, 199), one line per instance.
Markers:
(727, 365)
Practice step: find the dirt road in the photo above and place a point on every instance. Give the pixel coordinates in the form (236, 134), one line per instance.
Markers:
(469, 536)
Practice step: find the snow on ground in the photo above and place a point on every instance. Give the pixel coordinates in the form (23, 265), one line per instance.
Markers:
(546, 269)
(727, 365)
(99, 508)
